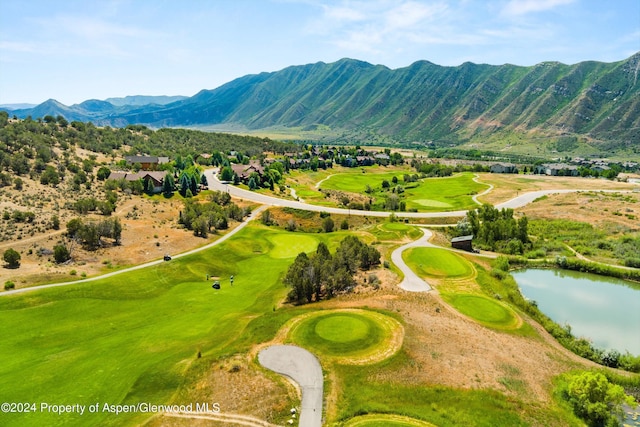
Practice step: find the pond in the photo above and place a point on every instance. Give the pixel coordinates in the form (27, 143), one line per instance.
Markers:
(602, 309)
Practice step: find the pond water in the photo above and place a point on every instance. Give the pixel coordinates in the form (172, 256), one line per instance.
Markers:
(602, 309)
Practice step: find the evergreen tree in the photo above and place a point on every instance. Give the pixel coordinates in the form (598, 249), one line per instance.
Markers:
(252, 184)
(168, 185)
(12, 258)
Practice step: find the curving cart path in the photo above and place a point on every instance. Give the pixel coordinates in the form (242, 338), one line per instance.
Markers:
(412, 282)
(243, 224)
(303, 368)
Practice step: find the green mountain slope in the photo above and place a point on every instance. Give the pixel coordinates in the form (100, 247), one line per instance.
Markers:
(596, 103)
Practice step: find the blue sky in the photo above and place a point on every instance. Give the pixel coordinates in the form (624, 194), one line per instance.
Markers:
(73, 50)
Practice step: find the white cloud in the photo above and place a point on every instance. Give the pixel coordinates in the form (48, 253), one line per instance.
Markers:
(376, 26)
(523, 7)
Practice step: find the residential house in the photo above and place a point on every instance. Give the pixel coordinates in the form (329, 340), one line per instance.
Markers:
(146, 162)
(503, 168)
(156, 177)
(557, 169)
(243, 172)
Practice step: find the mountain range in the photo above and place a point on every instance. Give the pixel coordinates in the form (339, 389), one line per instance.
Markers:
(594, 102)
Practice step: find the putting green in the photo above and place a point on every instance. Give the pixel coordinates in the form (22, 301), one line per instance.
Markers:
(349, 336)
(431, 203)
(342, 328)
(486, 311)
(385, 420)
(289, 245)
(436, 262)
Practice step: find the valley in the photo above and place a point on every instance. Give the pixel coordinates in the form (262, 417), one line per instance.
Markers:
(137, 328)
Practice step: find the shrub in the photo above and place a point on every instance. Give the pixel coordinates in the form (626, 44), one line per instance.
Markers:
(9, 285)
(327, 225)
(61, 254)
(291, 225)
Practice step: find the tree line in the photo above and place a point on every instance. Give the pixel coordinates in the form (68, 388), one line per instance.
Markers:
(496, 230)
(204, 218)
(322, 275)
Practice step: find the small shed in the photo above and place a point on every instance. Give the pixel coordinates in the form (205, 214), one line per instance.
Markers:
(462, 242)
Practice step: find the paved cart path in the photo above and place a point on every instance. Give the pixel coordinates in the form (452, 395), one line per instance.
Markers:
(304, 368)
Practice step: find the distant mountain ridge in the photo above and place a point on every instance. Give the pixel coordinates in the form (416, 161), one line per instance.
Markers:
(144, 100)
(422, 102)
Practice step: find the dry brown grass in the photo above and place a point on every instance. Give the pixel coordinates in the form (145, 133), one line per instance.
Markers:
(600, 209)
(508, 186)
(150, 230)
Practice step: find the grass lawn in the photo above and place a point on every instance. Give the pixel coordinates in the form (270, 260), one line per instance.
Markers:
(347, 336)
(428, 194)
(436, 262)
(131, 338)
(356, 181)
(486, 311)
(394, 231)
(450, 193)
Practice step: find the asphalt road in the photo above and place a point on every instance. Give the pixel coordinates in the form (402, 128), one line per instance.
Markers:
(517, 202)
(303, 368)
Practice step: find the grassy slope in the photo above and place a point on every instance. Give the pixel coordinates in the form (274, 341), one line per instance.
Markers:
(436, 262)
(129, 339)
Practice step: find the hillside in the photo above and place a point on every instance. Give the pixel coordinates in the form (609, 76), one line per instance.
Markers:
(590, 103)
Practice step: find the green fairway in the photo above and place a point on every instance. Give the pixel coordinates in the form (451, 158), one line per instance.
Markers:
(436, 262)
(130, 338)
(395, 231)
(486, 311)
(289, 245)
(348, 336)
(450, 193)
(428, 194)
(357, 181)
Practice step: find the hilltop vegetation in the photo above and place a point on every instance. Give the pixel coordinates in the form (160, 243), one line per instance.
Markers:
(587, 108)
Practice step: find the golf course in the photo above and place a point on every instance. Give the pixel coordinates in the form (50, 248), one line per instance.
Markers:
(130, 338)
(425, 195)
(162, 335)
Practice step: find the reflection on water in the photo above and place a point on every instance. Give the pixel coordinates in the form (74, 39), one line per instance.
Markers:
(602, 309)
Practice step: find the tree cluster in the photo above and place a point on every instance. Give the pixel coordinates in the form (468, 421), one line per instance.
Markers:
(89, 234)
(496, 230)
(432, 169)
(321, 275)
(204, 218)
(596, 400)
